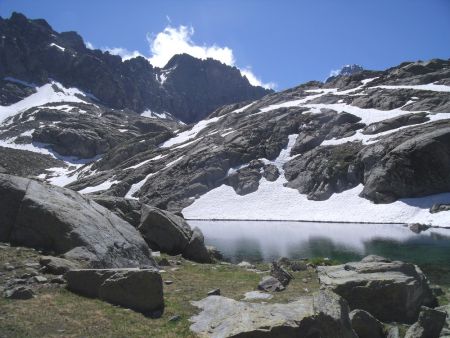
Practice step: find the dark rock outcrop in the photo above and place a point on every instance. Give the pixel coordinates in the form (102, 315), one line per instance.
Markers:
(187, 87)
(324, 170)
(365, 325)
(410, 163)
(429, 324)
(396, 122)
(62, 221)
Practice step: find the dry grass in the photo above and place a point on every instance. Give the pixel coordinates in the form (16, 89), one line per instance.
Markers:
(56, 312)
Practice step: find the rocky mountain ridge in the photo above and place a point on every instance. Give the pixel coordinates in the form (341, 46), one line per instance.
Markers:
(187, 88)
(382, 135)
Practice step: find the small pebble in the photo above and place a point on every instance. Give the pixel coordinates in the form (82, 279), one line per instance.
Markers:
(168, 282)
(215, 292)
(40, 279)
(174, 318)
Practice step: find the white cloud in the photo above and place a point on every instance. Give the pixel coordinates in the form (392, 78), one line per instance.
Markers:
(255, 81)
(89, 45)
(334, 72)
(125, 54)
(173, 41)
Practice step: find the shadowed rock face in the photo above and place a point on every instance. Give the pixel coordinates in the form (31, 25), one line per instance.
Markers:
(410, 163)
(32, 51)
(62, 221)
(140, 290)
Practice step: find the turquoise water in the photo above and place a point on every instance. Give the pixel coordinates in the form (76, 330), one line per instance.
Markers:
(256, 241)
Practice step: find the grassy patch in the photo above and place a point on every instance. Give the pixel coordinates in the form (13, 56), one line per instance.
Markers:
(56, 312)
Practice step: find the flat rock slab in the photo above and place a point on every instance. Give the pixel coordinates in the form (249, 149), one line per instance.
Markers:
(389, 290)
(324, 314)
(137, 289)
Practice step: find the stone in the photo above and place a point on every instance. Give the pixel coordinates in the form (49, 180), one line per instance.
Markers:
(323, 314)
(214, 292)
(174, 318)
(418, 227)
(246, 265)
(61, 220)
(393, 332)
(214, 253)
(196, 249)
(446, 329)
(269, 283)
(137, 289)
(439, 207)
(164, 231)
(57, 265)
(163, 262)
(390, 291)
(365, 325)
(429, 324)
(298, 266)
(280, 274)
(58, 280)
(257, 295)
(40, 279)
(21, 292)
(168, 282)
(8, 267)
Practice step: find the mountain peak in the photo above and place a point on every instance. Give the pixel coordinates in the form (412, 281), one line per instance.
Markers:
(346, 70)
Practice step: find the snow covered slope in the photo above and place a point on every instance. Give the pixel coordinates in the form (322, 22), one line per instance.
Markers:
(369, 147)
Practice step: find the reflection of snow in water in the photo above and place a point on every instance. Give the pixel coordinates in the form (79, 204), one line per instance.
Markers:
(275, 239)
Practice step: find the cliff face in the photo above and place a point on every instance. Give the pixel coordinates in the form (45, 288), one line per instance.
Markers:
(186, 87)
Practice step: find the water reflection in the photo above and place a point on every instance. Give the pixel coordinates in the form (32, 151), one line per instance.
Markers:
(265, 241)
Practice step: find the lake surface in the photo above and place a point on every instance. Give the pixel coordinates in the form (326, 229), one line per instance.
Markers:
(257, 241)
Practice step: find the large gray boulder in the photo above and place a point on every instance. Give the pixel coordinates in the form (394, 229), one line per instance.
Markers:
(389, 290)
(140, 290)
(429, 324)
(164, 231)
(196, 249)
(62, 221)
(169, 233)
(322, 315)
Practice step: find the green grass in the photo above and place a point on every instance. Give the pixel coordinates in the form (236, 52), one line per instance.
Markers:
(56, 312)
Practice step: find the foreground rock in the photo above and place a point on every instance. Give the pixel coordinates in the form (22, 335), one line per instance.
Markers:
(429, 324)
(389, 290)
(365, 325)
(62, 221)
(322, 315)
(21, 292)
(140, 290)
(57, 265)
(446, 329)
(170, 233)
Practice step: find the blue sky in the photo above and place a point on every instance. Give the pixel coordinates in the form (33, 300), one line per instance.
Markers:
(281, 42)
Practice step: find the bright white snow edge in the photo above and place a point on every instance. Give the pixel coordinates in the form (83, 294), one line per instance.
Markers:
(274, 201)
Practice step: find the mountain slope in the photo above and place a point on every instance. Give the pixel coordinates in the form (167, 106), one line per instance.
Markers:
(186, 87)
(378, 141)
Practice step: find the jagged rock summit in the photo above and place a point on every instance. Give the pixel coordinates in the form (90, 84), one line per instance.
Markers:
(187, 88)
